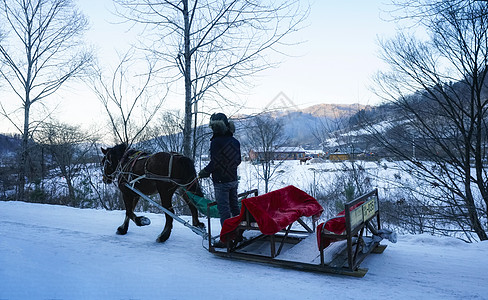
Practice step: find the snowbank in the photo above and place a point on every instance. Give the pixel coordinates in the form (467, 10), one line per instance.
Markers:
(55, 252)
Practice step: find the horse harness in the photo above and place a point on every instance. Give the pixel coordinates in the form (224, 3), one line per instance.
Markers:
(139, 155)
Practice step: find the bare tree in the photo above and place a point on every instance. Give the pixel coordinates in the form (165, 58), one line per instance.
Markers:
(41, 52)
(130, 96)
(212, 46)
(439, 86)
(69, 147)
(265, 136)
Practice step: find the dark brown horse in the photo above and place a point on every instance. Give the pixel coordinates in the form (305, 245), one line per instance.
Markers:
(161, 173)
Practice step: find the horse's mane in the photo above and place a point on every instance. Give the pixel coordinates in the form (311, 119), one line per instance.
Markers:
(119, 150)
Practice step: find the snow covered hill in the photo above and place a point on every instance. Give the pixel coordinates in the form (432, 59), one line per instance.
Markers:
(57, 252)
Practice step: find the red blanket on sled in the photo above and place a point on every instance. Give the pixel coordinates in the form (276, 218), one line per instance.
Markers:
(273, 211)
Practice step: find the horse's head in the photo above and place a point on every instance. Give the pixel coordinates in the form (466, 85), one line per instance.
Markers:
(110, 161)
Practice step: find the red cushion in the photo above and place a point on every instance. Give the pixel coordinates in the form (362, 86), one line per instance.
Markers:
(336, 225)
(274, 211)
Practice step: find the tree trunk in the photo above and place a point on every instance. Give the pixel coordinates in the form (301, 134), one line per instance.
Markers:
(24, 153)
(473, 215)
(187, 74)
(69, 182)
(71, 192)
(194, 145)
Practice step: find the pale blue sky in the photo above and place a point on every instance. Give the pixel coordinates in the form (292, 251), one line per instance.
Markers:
(338, 58)
(334, 64)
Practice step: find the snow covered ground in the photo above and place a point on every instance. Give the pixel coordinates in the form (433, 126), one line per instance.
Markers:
(56, 252)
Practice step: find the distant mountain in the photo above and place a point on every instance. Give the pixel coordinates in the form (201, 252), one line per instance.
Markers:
(331, 111)
(307, 127)
(335, 111)
(9, 143)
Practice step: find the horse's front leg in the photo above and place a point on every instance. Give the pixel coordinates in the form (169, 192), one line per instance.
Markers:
(122, 229)
(130, 202)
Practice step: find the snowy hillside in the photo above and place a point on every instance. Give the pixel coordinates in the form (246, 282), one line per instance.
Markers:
(56, 252)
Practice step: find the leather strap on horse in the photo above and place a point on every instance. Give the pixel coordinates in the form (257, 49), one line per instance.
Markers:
(135, 157)
(149, 175)
(132, 161)
(170, 165)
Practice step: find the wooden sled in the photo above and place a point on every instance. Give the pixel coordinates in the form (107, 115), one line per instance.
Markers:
(361, 221)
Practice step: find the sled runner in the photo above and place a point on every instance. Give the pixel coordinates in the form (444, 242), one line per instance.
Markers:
(270, 230)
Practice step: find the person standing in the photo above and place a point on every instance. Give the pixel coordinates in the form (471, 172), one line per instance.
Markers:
(225, 157)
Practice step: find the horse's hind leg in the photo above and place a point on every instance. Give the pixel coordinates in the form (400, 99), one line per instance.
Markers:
(166, 202)
(194, 213)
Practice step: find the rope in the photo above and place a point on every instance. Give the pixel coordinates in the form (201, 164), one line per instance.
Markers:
(120, 170)
(165, 178)
(114, 175)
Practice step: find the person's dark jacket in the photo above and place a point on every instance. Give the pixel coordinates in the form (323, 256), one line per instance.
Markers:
(225, 153)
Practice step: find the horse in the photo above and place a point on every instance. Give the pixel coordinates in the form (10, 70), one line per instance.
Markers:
(305, 159)
(160, 172)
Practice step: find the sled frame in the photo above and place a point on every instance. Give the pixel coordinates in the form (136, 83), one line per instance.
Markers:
(345, 263)
(358, 221)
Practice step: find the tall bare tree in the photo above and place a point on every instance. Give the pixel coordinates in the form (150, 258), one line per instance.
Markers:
(130, 96)
(42, 50)
(212, 46)
(438, 84)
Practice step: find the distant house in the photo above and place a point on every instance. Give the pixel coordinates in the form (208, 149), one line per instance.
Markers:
(314, 153)
(350, 154)
(281, 153)
(365, 155)
(339, 156)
